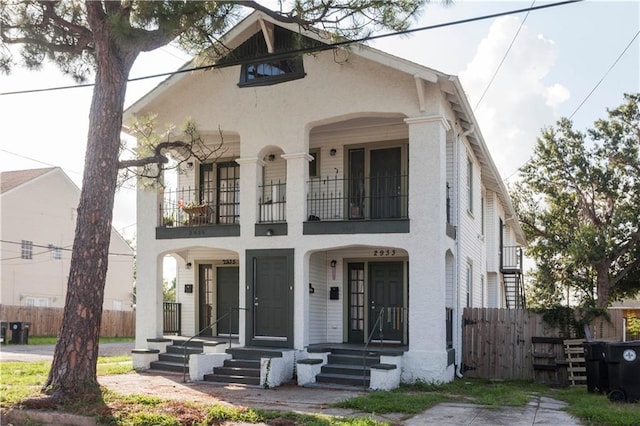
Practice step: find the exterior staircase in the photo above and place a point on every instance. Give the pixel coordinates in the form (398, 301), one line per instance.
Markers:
(351, 366)
(243, 367)
(174, 359)
(512, 274)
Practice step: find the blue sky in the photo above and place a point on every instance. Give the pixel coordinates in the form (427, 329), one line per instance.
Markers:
(558, 57)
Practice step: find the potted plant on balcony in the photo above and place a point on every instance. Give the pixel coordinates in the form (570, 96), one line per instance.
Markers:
(192, 208)
(168, 220)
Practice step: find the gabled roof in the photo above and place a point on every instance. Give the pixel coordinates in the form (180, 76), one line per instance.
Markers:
(13, 179)
(450, 86)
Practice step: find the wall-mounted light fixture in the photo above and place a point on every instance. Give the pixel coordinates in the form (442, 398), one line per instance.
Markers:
(189, 165)
(333, 268)
(269, 232)
(333, 152)
(188, 265)
(271, 157)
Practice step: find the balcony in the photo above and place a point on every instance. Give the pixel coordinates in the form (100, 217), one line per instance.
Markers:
(369, 204)
(272, 216)
(193, 213)
(511, 259)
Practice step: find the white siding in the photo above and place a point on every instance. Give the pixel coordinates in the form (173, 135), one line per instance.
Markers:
(319, 299)
(43, 211)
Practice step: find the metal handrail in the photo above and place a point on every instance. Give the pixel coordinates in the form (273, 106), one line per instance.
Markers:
(366, 345)
(184, 344)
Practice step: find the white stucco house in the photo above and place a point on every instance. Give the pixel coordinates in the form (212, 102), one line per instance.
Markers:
(356, 203)
(37, 225)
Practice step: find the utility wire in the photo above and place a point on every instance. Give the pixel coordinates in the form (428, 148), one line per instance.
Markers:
(53, 165)
(51, 248)
(503, 58)
(589, 95)
(324, 47)
(605, 75)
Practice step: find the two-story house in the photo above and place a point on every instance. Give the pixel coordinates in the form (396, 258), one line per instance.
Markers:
(356, 203)
(38, 223)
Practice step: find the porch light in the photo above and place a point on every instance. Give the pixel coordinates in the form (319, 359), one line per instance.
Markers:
(269, 232)
(188, 265)
(271, 157)
(189, 165)
(333, 152)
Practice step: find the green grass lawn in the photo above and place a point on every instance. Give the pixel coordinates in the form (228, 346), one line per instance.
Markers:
(51, 340)
(21, 380)
(591, 409)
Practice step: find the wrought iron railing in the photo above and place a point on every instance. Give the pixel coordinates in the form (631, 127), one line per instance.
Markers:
(273, 202)
(358, 198)
(209, 327)
(172, 318)
(196, 207)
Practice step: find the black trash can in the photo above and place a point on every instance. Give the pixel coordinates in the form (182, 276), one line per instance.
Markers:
(623, 367)
(20, 332)
(595, 357)
(4, 327)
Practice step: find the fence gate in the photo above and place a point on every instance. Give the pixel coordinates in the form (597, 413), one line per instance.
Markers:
(496, 344)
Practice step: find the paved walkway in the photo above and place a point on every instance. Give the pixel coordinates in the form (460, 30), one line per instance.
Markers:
(539, 411)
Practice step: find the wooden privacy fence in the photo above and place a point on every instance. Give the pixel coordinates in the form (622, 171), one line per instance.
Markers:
(497, 343)
(47, 321)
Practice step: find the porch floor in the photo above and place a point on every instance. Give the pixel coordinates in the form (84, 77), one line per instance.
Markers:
(382, 349)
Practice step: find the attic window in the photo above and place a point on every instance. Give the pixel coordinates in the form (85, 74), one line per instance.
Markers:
(266, 72)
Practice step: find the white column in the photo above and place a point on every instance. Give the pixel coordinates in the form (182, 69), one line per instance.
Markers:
(250, 178)
(149, 266)
(427, 357)
(297, 175)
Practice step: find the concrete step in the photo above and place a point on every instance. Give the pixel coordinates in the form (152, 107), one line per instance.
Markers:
(342, 379)
(347, 370)
(220, 378)
(175, 367)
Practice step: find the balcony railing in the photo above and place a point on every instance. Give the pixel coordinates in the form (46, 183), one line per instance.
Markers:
(194, 207)
(511, 259)
(358, 198)
(273, 202)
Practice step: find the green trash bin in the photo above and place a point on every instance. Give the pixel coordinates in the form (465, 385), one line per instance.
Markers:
(623, 368)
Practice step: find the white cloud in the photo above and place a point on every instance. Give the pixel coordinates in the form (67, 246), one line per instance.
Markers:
(519, 103)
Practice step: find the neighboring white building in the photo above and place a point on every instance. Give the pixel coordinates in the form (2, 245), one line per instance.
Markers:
(353, 181)
(37, 225)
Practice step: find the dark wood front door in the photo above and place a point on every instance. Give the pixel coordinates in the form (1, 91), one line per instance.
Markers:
(386, 301)
(270, 297)
(227, 300)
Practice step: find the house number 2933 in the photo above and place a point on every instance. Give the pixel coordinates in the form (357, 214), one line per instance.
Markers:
(381, 253)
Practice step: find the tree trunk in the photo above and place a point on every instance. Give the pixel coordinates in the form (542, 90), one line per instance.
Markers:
(73, 370)
(603, 285)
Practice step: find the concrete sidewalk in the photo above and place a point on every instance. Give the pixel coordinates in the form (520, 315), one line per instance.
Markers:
(539, 411)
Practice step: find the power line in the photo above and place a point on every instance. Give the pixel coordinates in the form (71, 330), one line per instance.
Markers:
(503, 58)
(51, 248)
(605, 74)
(590, 93)
(324, 47)
(53, 165)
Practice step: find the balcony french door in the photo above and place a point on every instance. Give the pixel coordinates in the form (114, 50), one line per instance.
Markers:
(380, 195)
(220, 187)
